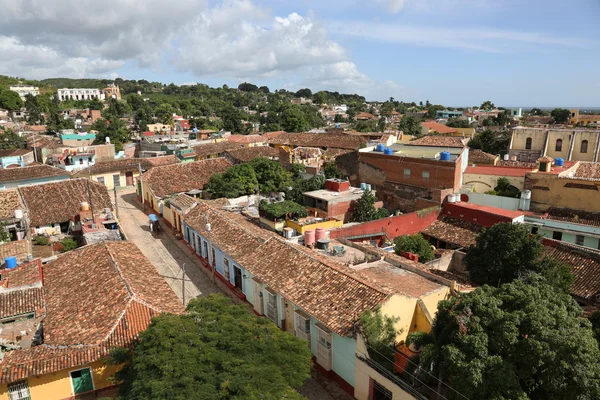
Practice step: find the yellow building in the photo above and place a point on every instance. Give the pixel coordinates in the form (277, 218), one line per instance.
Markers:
(85, 312)
(529, 144)
(117, 173)
(583, 119)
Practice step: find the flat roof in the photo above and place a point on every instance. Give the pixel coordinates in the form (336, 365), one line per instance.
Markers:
(491, 210)
(353, 194)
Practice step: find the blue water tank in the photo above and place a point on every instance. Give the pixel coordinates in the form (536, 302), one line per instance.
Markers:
(388, 151)
(337, 126)
(559, 162)
(363, 186)
(444, 156)
(11, 262)
(380, 147)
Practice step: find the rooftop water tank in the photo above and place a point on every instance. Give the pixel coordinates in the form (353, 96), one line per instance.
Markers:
(363, 186)
(19, 214)
(444, 156)
(451, 198)
(559, 162)
(388, 151)
(380, 147)
(85, 206)
(457, 198)
(309, 238)
(368, 187)
(526, 194)
(320, 233)
(506, 157)
(323, 244)
(11, 262)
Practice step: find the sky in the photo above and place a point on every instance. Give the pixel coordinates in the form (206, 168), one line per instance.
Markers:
(534, 53)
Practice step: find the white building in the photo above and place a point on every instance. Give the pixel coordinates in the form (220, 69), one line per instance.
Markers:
(79, 94)
(24, 90)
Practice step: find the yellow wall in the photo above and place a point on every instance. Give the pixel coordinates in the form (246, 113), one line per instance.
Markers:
(553, 136)
(560, 196)
(108, 178)
(168, 214)
(58, 385)
(519, 137)
(483, 183)
(148, 195)
(431, 300)
(592, 138)
(272, 224)
(325, 225)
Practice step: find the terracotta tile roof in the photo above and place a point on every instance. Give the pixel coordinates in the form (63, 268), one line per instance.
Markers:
(322, 140)
(477, 156)
(248, 154)
(545, 159)
(90, 310)
(438, 141)
(322, 289)
(573, 216)
(10, 200)
(16, 248)
(452, 230)
(43, 142)
(32, 172)
(588, 170)
(121, 165)
(231, 236)
(585, 264)
(179, 178)
(245, 138)
(18, 302)
(509, 163)
(26, 274)
(211, 149)
(269, 135)
(57, 202)
(433, 126)
(14, 152)
(183, 201)
(163, 160)
(364, 115)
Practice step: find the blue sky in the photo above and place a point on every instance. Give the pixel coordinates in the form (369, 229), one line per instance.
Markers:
(451, 52)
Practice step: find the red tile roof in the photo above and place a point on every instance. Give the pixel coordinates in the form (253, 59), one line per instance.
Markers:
(433, 126)
(573, 216)
(16, 248)
(245, 138)
(489, 209)
(439, 141)
(24, 301)
(10, 200)
(212, 149)
(588, 170)
(180, 178)
(14, 152)
(91, 309)
(477, 156)
(58, 202)
(33, 172)
(321, 140)
(453, 230)
(26, 274)
(497, 170)
(162, 160)
(247, 154)
(269, 135)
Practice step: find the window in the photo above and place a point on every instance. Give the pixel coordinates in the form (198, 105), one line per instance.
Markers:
(579, 239)
(117, 180)
(100, 179)
(528, 143)
(324, 347)
(205, 250)
(584, 146)
(226, 268)
(406, 171)
(214, 257)
(302, 325)
(19, 391)
(425, 174)
(378, 391)
(272, 306)
(82, 381)
(558, 146)
(556, 235)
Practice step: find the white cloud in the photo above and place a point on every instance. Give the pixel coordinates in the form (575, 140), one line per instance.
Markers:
(392, 6)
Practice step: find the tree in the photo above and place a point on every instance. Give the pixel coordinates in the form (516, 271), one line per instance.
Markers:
(410, 125)
(164, 109)
(379, 335)
(10, 100)
(282, 210)
(247, 87)
(332, 171)
(505, 189)
(320, 98)
(264, 89)
(293, 120)
(519, 254)
(301, 186)
(237, 181)
(523, 340)
(365, 209)
(112, 127)
(34, 109)
(487, 106)
(4, 236)
(297, 170)
(560, 115)
(366, 126)
(458, 123)
(414, 244)
(381, 124)
(11, 141)
(271, 175)
(306, 93)
(387, 108)
(538, 112)
(217, 350)
(490, 142)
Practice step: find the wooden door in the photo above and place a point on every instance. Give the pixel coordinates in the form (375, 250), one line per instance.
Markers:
(129, 178)
(289, 317)
(238, 278)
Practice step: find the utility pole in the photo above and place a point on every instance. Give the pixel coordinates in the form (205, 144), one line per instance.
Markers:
(209, 250)
(116, 202)
(142, 187)
(183, 284)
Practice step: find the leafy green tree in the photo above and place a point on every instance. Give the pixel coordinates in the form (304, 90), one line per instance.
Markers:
(458, 123)
(69, 244)
(293, 120)
(11, 141)
(331, 171)
(10, 100)
(271, 175)
(379, 334)
(320, 98)
(301, 185)
(306, 93)
(508, 251)
(410, 125)
(247, 87)
(364, 210)
(297, 170)
(491, 142)
(4, 236)
(505, 189)
(433, 109)
(34, 109)
(414, 244)
(560, 115)
(264, 89)
(537, 112)
(487, 106)
(523, 340)
(386, 109)
(366, 126)
(112, 127)
(282, 210)
(237, 181)
(381, 124)
(217, 350)
(164, 109)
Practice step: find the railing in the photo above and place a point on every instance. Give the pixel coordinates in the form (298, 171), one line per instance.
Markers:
(392, 377)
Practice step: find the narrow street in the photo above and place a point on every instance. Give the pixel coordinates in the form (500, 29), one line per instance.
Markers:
(168, 254)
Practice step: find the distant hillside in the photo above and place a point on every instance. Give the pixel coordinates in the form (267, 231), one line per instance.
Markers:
(6, 81)
(84, 83)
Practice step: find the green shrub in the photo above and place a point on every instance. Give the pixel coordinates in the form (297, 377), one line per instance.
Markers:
(415, 244)
(41, 240)
(69, 244)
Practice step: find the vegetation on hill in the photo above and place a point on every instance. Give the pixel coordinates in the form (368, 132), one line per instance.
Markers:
(365, 210)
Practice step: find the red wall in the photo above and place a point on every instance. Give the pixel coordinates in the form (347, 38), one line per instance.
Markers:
(478, 217)
(406, 224)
